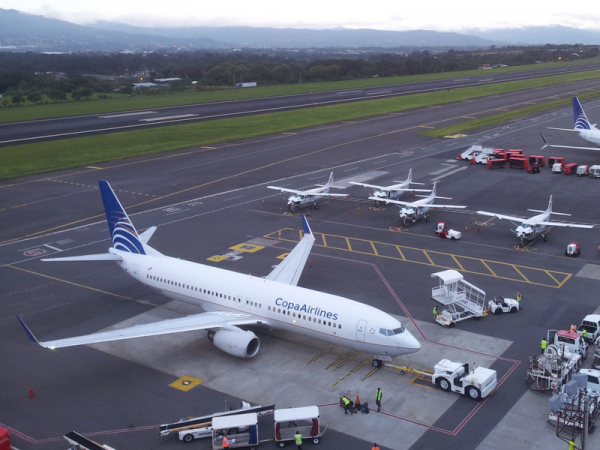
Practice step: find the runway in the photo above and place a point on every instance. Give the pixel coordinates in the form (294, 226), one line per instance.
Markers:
(66, 127)
(206, 201)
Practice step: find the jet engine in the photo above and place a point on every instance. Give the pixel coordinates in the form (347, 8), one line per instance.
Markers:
(236, 342)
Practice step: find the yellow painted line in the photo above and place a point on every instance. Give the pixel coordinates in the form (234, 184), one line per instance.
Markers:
(217, 258)
(565, 280)
(459, 264)
(186, 382)
(374, 249)
(348, 354)
(323, 353)
(348, 242)
(68, 282)
(324, 241)
(488, 267)
(371, 373)
(429, 258)
(401, 254)
(248, 248)
(521, 273)
(425, 126)
(285, 254)
(348, 359)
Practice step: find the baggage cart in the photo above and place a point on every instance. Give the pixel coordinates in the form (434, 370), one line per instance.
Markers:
(496, 163)
(304, 419)
(242, 439)
(570, 168)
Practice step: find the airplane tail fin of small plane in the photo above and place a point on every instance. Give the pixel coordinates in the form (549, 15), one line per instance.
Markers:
(122, 231)
(549, 210)
(433, 190)
(580, 120)
(409, 179)
(330, 182)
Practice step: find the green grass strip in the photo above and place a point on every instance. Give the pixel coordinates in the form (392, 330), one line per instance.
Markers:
(156, 101)
(29, 159)
(503, 117)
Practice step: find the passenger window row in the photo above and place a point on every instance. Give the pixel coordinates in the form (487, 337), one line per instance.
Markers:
(195, 289)
(303, 317)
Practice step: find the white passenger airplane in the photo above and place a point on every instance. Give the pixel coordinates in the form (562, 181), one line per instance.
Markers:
(233, 300)
(582, 126)
(412, 210)
(301, 198)
(536, 225)
(393, 191)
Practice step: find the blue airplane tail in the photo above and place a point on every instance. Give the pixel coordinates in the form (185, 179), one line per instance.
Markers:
(123, 233)
(579, 117)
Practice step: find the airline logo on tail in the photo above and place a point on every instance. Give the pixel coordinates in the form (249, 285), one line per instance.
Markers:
(330, 182)
(123, 233)
(579, 117)
(409, 176)
(549, 210)
(433, 191)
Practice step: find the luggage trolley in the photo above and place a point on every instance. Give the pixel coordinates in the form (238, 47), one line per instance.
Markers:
(248, 438)
(311, 427)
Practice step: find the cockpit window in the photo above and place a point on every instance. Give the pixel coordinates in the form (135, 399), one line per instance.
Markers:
(526, 225)
(391, 332)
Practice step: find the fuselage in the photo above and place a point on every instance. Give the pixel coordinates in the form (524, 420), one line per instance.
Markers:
(529, 228)
(592, 135)
(311, 313)
(416, 209)
(310, 197)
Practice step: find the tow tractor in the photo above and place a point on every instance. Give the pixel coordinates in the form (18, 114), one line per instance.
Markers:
(503, 305)
(445, 233)
(201, 427)
(573, 249)
(456, 377)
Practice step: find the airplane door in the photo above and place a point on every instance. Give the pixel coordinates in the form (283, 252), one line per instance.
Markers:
(247, 303)
(360, 330)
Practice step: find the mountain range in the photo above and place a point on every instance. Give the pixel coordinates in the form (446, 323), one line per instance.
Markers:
(21, 31)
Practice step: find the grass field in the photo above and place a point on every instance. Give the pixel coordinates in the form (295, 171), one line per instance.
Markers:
(503, 117)
(28, 159)
(155, 101)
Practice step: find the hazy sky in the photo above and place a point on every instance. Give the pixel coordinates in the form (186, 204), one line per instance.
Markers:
(441, 15)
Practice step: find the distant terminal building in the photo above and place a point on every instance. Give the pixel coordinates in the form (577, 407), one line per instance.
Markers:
(145, 85)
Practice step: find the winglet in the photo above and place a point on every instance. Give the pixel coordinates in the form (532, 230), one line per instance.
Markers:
(545, 142)
(305, 225)
(27, 330)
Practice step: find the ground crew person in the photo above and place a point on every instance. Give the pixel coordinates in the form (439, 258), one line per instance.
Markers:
(544, 345)
(375, 447)
(298, 440)
(584, 334)
(378, 396)
(435, 312)
(519, 297)
(346, 403)
(573, 328)
(226, 441)
(572, 445)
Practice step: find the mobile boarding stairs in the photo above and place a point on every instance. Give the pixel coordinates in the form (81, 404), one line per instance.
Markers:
(461, 300)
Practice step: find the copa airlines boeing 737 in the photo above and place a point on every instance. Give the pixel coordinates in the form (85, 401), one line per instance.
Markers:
(234, 300)
(582, 127)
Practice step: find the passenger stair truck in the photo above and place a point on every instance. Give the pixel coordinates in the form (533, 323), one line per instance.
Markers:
(461, 299)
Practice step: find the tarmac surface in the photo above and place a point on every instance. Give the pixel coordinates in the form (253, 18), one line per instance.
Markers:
(62, 128)
(207, 200)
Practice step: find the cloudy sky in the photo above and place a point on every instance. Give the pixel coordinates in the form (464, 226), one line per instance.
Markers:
(441, 15)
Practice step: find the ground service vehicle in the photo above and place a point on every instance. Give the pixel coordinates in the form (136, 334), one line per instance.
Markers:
(593, 379)
(583, 170)
(573, 249)
(539, 160)
(499, 305)
(477, 383)
(594, 172)
(570, 168)
(445, 233)
(590, 323)
(572, 342)
(496, 163)
(241, 439)
(309, 428)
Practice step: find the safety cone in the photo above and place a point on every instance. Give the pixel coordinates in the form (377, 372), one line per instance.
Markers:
(30, 392)
(479, 229)
(357, 403)
(466, 228)
(263, 202)
(395, 228)
(367, 214)
(309, 263)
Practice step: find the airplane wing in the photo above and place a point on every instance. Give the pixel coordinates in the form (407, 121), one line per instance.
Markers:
(203, 321)
(562, 224)
(384, 188)
(395, 202)
(289, 270)
(500, 216)
(547, 144)
(444, 206)
(291, 191)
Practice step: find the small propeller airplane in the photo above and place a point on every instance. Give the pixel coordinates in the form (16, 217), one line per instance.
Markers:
(300, 198)
(393, 191)
(582, 127)
(536, 225)
(413, 210)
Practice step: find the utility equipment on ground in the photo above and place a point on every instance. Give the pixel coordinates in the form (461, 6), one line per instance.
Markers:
(477, 383)
(496, 163)
(80, 442)
(553, 367)
(573, 249)
(248, 438)
(570, 168)
(573, 342)
(461, 299)
(309, 425)
(501, 305)
(594, 172)
(445, 233)
(539, 160)
(473, 151)
(583, 170)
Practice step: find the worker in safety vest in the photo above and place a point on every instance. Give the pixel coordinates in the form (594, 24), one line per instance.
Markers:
(544, 345)
(378, 396)
(346, 403)
(519, 297)
(375, 447)
(573, 328)
(298, 437)
(226, 441)
(572, 445)
(435, 312)
(584, 334)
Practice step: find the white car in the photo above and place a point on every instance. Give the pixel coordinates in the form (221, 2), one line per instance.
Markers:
(503, 305)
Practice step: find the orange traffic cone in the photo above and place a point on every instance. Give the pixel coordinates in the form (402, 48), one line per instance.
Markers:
(309, 263)
(357, 403)
(30, 392)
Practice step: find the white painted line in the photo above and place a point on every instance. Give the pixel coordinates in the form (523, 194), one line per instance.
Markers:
(177, 212)
(53, 248)
(440, 171)
(232, 198)
(380, 92)
(348, 170)
(348, 92)
(182, 116)
(380, 161)
(127, 114)
(449, 173)
(452, 160)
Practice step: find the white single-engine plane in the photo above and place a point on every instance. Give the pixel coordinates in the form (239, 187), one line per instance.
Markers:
(411, 211)
(235, 301)
(536, 225)
(386, 192)
(582, 127)
(300, 198)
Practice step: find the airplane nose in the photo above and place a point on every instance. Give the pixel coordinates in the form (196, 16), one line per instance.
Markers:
(411, 343)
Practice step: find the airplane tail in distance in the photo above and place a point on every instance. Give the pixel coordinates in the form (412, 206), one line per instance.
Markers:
(409, 179)
(579, 117)
(123, 233)
(549, 210)
(433, 190)
(330, 182)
